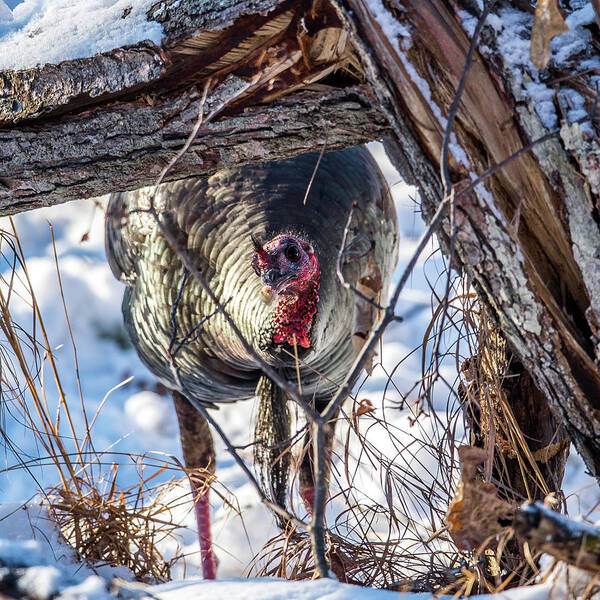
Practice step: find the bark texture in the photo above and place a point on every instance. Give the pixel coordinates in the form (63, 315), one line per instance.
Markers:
(126, 146)
(281, 78)
(529, 238)
(525, 443)
(571, 541)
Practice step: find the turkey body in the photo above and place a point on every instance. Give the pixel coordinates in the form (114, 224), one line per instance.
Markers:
(214, 219)
(172, 321)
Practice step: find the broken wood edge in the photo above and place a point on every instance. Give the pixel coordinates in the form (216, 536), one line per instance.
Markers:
(298, 44)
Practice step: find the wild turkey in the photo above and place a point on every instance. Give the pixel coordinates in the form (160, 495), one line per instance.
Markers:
(252, 236)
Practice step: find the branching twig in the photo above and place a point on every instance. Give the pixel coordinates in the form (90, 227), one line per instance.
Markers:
(193, 270)
(349, 382)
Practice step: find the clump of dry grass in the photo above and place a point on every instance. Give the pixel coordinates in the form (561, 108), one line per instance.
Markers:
(120, 527)
(371, 564)
(105, 523)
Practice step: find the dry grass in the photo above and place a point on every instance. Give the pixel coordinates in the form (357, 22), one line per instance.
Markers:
(371, 564)
(118, 527)
(105, 523)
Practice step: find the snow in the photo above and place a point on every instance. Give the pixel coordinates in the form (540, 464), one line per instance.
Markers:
(31, 543)
(149, 413)
(393, 28)
(38, 32)
(52, 570)
(543, 97)
(574, 105)
(241, 525)
(513, 29)
(273, 589)
(582, 16)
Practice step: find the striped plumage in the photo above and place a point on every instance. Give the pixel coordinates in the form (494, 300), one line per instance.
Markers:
(214, 219)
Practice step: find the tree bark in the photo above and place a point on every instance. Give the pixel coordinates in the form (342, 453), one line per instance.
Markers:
(525, 443)
(126, 146)
(529, 238)
(571, 541)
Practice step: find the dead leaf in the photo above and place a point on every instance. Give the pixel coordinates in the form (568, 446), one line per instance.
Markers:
(364, 406)
(369, 285)
(476, 513)
(548, 22)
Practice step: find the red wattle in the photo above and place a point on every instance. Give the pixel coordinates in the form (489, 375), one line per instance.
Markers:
(294, 313)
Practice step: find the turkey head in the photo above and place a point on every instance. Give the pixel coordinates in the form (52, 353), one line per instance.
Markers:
(290, 270)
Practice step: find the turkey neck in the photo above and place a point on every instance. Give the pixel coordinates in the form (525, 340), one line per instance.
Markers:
(294, 313)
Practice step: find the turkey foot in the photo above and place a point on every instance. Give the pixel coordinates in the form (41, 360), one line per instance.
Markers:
(308, 497)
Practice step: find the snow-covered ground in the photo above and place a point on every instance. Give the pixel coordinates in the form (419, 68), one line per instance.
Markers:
(29, 33)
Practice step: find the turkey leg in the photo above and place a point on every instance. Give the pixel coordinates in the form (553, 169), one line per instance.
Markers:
(199, 457)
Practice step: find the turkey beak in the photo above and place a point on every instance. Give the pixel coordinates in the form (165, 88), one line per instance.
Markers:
(271, 277)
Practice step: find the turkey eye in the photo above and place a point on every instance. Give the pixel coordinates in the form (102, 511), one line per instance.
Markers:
(292, 253)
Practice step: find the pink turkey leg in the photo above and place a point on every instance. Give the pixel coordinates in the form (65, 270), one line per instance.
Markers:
(308, 496)
(202, 508)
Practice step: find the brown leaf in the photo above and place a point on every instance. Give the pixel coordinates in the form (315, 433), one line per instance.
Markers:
(476, 513)
(547, 23)
(364, 406)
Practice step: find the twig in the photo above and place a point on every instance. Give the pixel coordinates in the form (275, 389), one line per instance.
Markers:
(297, 364)
(571, 541)
(387, 317)
(195, 272)
(87, 438)
(491, 170)
(317, 525)
(314, 173)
